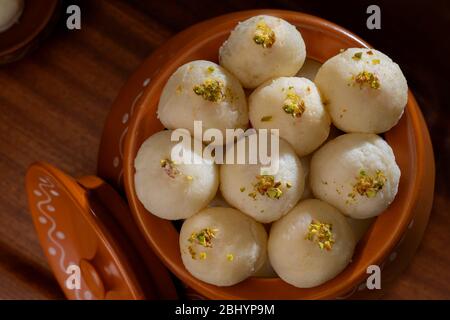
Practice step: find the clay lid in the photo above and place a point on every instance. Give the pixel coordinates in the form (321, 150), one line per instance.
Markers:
(82, 228)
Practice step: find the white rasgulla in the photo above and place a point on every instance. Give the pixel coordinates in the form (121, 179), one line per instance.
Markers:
(311, 244)
(168, 189)
(356, 173)
(364, 90)
(10, 12)
(222, 246)
(266, 198)
(294, 106)
(203, 91)
(261, 48)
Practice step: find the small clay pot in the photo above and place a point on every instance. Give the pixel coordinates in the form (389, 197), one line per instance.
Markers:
(34, 23)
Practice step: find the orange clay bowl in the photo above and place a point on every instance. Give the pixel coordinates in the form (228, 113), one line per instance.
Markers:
(409, 139)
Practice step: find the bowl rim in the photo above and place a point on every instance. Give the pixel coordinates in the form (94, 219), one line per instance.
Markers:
(413, 117)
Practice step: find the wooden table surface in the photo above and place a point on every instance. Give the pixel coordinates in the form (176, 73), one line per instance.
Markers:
(54, 102)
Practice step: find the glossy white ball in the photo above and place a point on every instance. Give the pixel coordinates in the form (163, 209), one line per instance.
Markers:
(265, 198)
(203, 91)
(365, 91)
(172, 190)
(357, 173)
(261, 48)
(222, 246)
(294, 106)
(296, 254)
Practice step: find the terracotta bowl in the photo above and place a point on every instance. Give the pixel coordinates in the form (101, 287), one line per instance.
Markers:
(36, 20)
(409, 140)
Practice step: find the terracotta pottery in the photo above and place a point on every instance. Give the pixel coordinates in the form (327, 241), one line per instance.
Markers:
(409, 140)
(37, 18)
(93, 240)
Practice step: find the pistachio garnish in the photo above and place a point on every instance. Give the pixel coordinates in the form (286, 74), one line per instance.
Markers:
(321, 233)
(367, 185)
(210, 90)
(203, 238)
(357, 56)
(293, 104)
(169, 167)
(267, 186)
(368, 78)
(264, 35)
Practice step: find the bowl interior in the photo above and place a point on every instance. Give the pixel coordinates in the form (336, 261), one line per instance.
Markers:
(323, 40)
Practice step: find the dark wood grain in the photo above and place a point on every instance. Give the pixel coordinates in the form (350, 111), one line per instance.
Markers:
(54, 102)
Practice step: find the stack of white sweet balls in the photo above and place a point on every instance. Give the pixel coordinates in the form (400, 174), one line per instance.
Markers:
(262, 225)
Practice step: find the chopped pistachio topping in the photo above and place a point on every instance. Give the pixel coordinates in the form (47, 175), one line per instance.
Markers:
(267, 186)
(230, 257)
(370, 52)
(210, 90)
(242, 189)
(202, 255)
(266, 118)
(210, 69)
(204, 237)
(321, 233)
(264, 35)
(189, 178)
(169, 167)
(367, 185)
(357, 56)
(376, 61)
(366, 77)
(293, 104)
(288, 185)
(192, 252)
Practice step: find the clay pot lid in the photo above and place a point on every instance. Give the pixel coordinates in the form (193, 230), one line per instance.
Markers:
(36, 16)
(80, 235)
